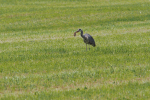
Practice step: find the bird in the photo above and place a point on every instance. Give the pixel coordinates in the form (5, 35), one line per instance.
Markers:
(88, 39)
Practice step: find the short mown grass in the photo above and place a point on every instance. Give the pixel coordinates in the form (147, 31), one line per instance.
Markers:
(41, 59)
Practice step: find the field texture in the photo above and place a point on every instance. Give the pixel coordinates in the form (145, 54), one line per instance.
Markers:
(41, 59)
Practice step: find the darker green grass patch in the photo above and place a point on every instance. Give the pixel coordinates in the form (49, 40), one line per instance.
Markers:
(123, 49)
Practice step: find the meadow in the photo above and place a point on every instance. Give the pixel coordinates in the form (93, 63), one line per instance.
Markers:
(41, 59)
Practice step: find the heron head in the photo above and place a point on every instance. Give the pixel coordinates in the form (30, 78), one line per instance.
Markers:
(77, 31)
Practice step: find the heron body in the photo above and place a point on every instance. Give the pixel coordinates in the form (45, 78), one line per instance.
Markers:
(88, 39)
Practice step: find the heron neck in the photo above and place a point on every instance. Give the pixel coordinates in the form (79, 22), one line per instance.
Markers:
(82, 34)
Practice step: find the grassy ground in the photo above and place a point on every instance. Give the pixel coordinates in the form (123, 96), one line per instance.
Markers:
(41, 59)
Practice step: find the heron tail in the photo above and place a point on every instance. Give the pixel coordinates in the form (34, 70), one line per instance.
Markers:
(94, 45)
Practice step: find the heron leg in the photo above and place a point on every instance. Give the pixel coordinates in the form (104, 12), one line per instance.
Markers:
(89, 47)
(86, 47)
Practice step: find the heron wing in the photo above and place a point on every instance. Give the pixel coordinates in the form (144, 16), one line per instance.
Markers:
(90, 39)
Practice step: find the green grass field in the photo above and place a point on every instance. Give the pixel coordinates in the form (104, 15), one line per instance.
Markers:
(41, 59)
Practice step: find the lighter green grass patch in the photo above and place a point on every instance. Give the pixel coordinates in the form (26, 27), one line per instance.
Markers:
(41, 59)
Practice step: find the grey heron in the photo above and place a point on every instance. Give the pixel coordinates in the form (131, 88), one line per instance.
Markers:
(88, 39)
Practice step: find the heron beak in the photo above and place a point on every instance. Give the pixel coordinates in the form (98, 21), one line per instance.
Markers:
(75, 33)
